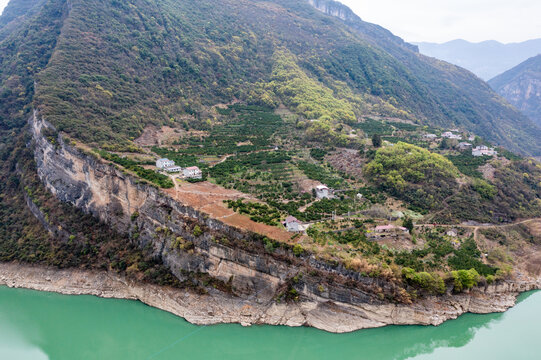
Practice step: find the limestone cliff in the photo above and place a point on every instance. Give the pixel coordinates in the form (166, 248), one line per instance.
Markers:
(256, 281)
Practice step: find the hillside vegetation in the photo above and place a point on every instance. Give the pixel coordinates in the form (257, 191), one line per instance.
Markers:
(120, 66)
(271, 98)
(422, 178)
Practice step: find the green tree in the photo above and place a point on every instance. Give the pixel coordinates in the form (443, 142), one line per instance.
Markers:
(376, 140)
(408, 223)
(465, 279)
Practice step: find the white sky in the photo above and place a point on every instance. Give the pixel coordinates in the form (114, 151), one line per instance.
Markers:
(444, 20)
(3, 4)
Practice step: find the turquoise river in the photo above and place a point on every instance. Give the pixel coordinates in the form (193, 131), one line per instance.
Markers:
(38, 325)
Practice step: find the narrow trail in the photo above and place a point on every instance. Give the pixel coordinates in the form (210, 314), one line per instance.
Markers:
(479, 226)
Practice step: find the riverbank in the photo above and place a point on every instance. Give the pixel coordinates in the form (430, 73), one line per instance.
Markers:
(217, 307)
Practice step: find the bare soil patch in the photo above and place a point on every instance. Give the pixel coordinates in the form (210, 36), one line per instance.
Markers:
(348, 161)
(152, 136)
(209, 198)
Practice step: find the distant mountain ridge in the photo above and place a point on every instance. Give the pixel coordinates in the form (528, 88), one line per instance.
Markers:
(486, 59)
(521, 86)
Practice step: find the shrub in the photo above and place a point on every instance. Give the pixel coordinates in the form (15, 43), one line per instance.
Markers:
(298, 250)
(465, 279)
(432, 283)
(197, 231)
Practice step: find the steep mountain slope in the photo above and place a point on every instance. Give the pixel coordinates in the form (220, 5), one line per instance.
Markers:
(485, 59)
(521, 86)
(118, 67)
(263, 96)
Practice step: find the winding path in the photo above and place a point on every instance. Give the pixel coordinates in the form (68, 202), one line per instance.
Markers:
(479, 226)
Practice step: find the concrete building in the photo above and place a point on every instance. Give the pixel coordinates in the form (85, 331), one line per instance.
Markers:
(192, 172)
(450, 135)
(390, 230)
(464, 146)
(430, 136)
(323, 192)
(173, 169)
(452, 233)
(164, 163)
(484, 151)
(292, 224)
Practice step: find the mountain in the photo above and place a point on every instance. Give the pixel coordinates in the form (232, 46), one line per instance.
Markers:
(521, 86)
(275, 102)
(485, 59)
(117, 67)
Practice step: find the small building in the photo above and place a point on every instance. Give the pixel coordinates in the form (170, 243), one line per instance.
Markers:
(192, 172)
(450, 135)
(389, 230)
(471, 138)
(382, 229)
(452, 233)
(292, 224)
(323, 192)
(464, 146)
(484, 151)
(359, 197)
(430, 136)
(164, 163)
(173, 169)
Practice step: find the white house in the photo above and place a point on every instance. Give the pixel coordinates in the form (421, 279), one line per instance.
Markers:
(323, 192)
(173, 169)
(450, 135)
(390, 230)
(164, 163)
(430, 136)
(292, 224)
(484, 151)
(452, 233)
(192, 172)
(386, 229)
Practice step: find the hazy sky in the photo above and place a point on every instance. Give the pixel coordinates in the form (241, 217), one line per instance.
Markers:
(443, 20)
(3, 3)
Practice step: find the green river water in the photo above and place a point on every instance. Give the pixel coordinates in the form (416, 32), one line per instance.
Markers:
(38, 325)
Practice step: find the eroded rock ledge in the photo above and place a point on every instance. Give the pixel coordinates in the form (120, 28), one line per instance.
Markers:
(217, 307)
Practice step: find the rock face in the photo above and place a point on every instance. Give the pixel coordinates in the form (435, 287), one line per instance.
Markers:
(216, 307)
(330, 296)
(521, 86)
(339, 10)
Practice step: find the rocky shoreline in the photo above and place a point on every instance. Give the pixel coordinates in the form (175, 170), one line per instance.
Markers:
(216, 307)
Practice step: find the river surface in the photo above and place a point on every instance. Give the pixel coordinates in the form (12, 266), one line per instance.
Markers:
(38, 325)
